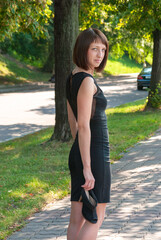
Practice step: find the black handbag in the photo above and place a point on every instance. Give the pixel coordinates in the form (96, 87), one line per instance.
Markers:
(89, 205)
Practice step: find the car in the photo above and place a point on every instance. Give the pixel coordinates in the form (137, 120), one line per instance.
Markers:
(144, 77)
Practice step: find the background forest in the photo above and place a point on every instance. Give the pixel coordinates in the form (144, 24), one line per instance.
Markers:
(37, 49)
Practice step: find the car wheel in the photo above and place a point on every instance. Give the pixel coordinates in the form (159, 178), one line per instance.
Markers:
(139, 87)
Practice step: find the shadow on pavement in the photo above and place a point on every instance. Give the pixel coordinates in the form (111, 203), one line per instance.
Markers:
(8, 132)
(50, 110)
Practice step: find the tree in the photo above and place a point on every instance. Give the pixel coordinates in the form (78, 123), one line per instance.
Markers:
(143, 20)
(154, 97)
(103, 15)
(25, 16)
(65, 32)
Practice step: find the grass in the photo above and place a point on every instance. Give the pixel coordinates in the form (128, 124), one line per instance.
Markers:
(33, 174)
(121, 66)
(14, 72)
(129, 124)
(37, 63)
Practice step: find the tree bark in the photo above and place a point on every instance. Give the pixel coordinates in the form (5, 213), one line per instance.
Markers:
(156, 68)
(65, 32)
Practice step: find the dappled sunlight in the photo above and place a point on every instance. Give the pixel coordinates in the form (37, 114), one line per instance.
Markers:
(7, 148)
(147, 168)
(36, 184)
(15, 156)
(152, 140)
(55, 194)
(17, 194)
(144, 155)
(29, 189)
(126, 108)
(4, 71)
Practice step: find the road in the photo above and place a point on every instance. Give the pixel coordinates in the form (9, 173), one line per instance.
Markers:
(27, 112)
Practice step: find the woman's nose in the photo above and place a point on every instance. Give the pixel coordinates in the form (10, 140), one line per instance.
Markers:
(99, 53)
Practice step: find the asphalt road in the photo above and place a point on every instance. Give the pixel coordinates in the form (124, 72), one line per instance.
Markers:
(26, 112)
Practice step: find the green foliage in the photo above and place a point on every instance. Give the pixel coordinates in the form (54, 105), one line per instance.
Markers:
(25, 16)
(26, 46)
(155, 97)
(97, 12)
(141, 17)
(143, 20)
(108, 17)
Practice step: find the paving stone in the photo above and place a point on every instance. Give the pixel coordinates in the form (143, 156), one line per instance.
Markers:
(43, 238)
(105, 238)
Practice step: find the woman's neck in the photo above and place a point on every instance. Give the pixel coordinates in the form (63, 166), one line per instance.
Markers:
(78, 69)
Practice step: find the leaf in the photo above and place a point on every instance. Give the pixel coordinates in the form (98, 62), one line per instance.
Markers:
(31, 194)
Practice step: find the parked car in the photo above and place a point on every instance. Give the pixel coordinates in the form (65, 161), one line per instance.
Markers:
(143, 79)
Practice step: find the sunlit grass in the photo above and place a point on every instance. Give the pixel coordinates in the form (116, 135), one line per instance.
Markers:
(128, 124)
(4, 70)
(128, 108)
(122, 66)
(33, 174)
(13, 72)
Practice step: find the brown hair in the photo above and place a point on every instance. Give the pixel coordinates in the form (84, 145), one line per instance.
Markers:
(82, 44)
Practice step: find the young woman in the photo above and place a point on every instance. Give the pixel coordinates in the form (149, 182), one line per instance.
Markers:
(89, 162)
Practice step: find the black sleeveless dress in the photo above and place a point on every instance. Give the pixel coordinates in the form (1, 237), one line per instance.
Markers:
(99, 148)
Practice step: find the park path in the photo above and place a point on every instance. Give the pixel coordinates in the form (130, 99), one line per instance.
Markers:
(135, 209)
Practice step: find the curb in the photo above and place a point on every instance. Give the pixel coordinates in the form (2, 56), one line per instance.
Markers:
(26, 87)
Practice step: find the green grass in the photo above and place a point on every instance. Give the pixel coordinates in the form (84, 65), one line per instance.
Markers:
(29, 61)
(122, 66)
(14, 72)
(129, 124)
(32, 173)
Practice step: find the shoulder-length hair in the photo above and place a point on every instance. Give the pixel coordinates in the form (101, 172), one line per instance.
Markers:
(82, 44)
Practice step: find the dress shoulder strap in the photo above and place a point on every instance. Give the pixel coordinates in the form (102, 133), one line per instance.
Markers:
(77, 80)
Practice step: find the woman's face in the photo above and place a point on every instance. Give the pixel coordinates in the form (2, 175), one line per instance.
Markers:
(95, 54)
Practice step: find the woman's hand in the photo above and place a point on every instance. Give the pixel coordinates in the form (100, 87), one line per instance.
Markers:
(89, 179)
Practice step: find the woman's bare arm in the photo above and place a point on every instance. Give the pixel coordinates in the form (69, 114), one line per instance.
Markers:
(84, 103)
(72, 121)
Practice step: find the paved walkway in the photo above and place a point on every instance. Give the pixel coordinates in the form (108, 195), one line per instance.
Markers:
(135, 209)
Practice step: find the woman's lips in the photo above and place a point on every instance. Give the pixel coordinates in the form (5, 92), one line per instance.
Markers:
(98, 61)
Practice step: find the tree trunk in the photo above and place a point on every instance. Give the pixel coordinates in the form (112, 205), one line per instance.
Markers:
(65, 32)
(154, 94)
